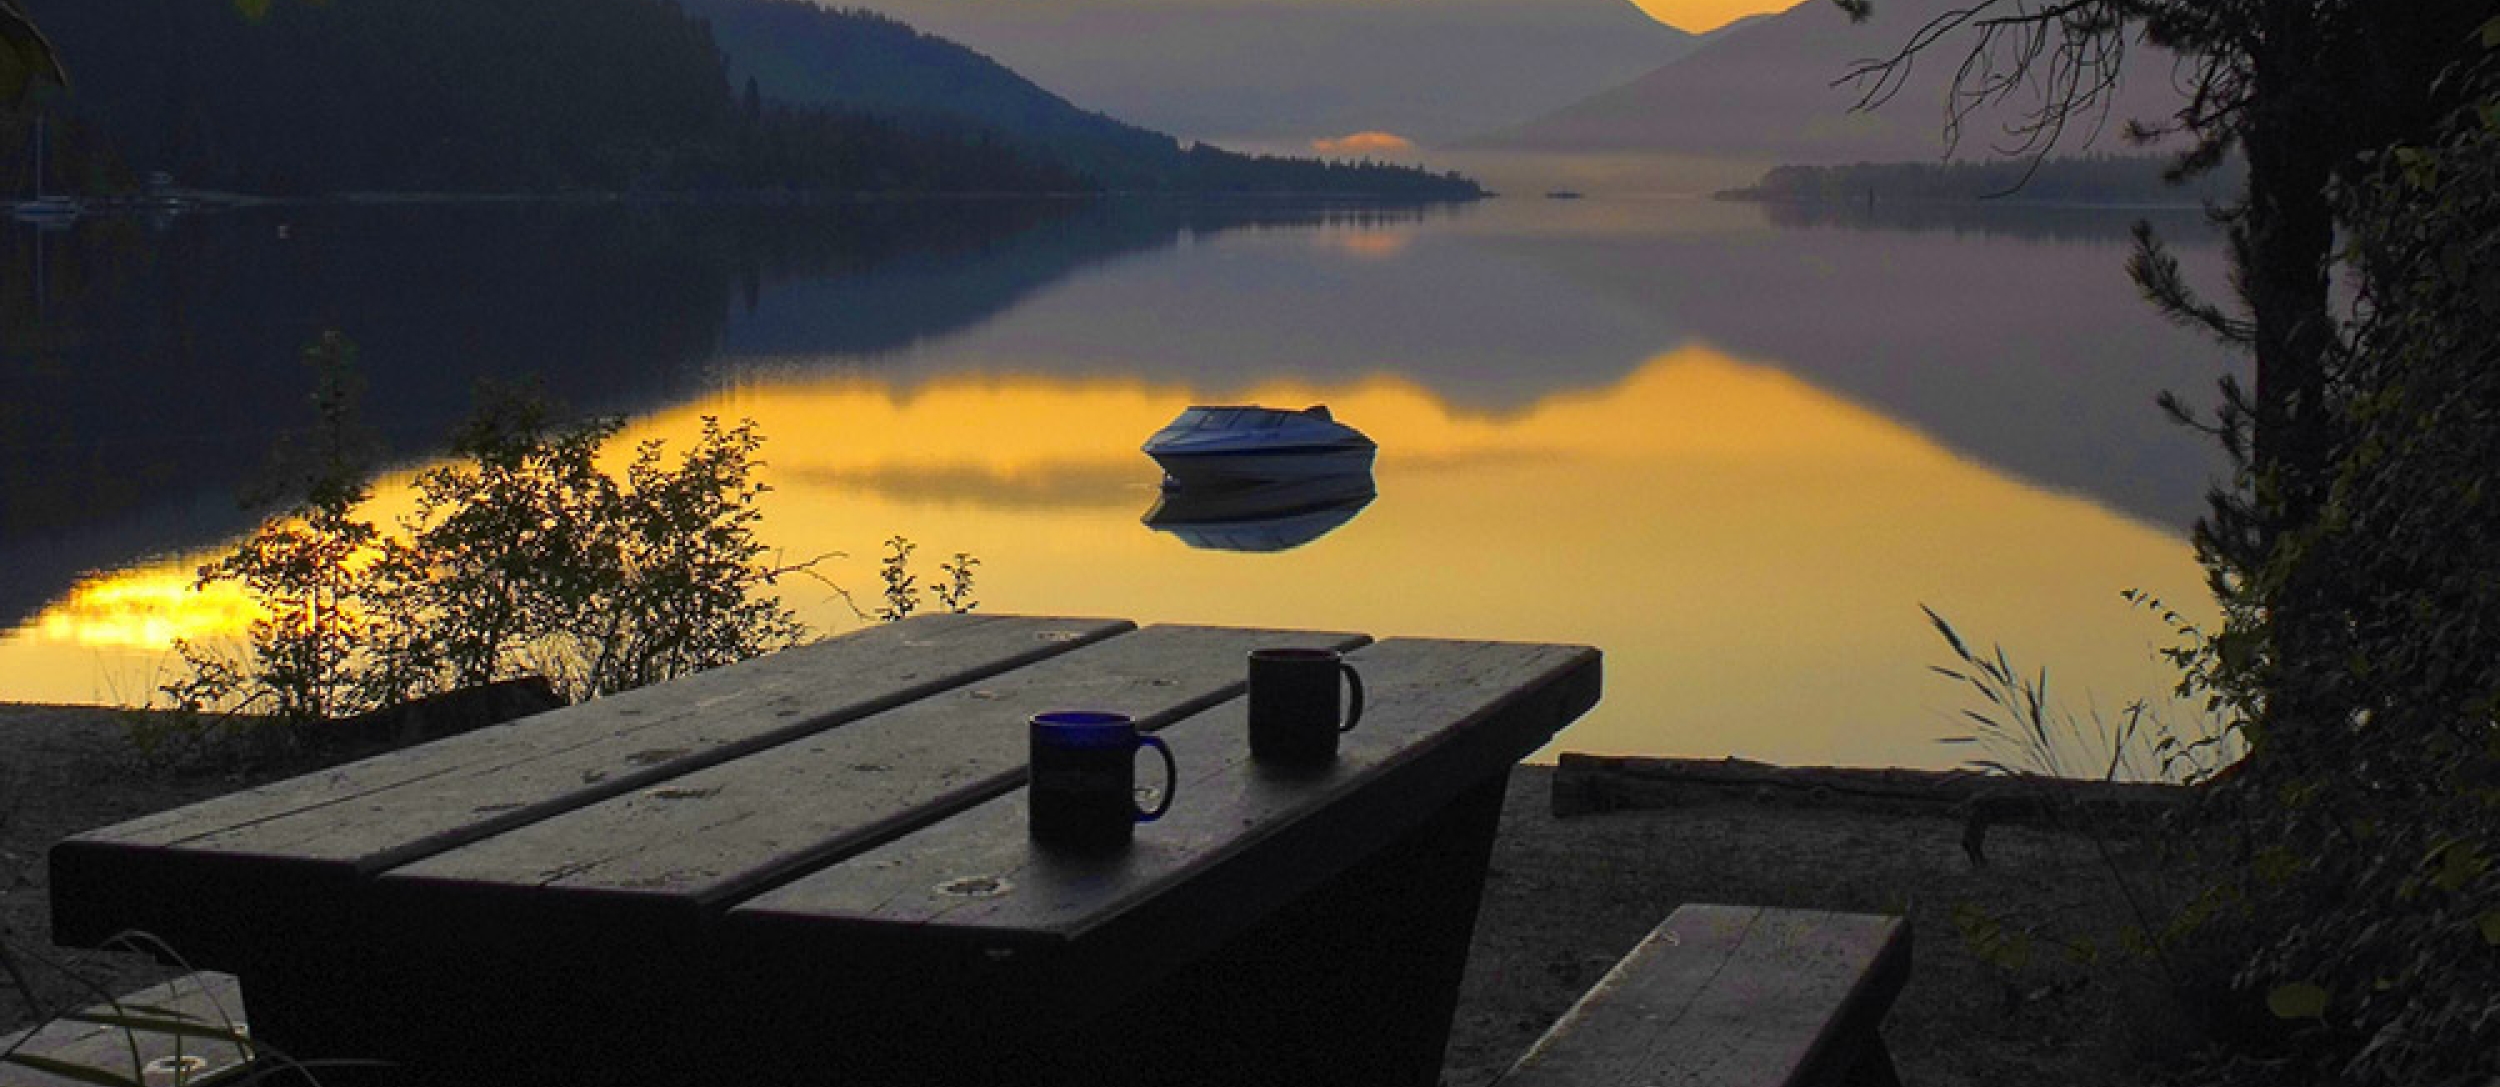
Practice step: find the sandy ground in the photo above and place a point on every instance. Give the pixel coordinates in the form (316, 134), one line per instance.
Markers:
(1565, 898)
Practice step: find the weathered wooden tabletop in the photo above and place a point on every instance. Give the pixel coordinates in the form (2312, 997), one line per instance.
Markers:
(798, 837)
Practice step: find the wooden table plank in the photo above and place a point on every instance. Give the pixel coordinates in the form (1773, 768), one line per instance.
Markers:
(166, 873)
(1432, 704)
(707, 838)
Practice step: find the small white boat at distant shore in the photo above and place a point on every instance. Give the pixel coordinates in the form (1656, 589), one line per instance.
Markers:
(43, 210)
(1216, 445)
(48, 211)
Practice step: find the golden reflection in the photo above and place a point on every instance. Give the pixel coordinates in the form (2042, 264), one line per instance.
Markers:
(1368, 244)
(145, 610)
(1750, 551)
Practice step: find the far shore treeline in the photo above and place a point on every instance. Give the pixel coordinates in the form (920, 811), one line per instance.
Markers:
(2115, 180)
(556, 96)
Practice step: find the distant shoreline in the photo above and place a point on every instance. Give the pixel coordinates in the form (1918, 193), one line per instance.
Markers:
(2099, 183)
(208, 200)
(2009, 203)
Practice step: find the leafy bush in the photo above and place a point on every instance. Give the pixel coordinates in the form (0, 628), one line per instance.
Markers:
(2376, 790)
(523, 556)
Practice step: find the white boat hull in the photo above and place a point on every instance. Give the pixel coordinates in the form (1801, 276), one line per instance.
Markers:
(1261, 466)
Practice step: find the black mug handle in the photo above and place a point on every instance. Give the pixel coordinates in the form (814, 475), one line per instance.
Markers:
(1171, 778)
(1354, 713)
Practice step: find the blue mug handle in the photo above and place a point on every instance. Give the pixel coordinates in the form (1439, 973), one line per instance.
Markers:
(1354, 712)
(1171, 778)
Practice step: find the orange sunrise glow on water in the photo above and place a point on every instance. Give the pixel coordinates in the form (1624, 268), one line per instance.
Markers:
(1717, 526)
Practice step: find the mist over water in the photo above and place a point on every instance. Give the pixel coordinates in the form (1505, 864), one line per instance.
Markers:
(1733, 450)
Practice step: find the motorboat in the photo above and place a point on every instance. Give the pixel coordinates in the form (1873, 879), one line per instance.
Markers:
(1215, 445)
(1275, 516)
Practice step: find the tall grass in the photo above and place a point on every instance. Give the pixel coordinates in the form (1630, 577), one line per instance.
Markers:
(2021, 731)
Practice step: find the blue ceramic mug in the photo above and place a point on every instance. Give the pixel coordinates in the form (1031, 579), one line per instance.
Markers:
(1084, 787)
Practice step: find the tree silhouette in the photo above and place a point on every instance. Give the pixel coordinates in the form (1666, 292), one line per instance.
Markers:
(26, 58)
(2306, 91)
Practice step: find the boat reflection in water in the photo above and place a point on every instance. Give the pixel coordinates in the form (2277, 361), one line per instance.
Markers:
(1272, 515)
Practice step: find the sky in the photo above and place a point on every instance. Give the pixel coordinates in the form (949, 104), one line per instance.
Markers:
(1382, 78)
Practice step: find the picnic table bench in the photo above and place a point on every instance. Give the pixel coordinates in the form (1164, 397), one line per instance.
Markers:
(814, 867)
(1734, 996)
(185, 1032)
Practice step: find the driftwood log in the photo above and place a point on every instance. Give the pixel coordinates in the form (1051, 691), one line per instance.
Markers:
(436, 716)
(1592, 784)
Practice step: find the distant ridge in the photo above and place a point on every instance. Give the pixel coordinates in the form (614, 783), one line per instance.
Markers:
(1763, 89)
(1280, 73)
(478, 97)
(800, 52)
(460, 97)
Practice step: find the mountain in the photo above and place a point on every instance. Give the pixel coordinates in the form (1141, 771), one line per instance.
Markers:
(602, 95)
(1764, 90)
(1282, 73)
(423, 95)
(800, 52)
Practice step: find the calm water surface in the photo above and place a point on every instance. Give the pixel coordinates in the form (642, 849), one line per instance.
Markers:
(1736, 450)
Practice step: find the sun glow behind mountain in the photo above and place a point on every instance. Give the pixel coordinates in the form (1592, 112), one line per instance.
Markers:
(1704, 16)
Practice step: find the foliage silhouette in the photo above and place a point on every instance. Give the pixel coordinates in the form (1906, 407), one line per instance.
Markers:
(2351, 920)
(523, 556)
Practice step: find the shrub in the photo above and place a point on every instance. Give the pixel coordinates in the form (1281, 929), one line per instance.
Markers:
(523, 556)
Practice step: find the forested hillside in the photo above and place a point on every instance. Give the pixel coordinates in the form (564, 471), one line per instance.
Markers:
(798, 51)
(604, 95)
(399, 95)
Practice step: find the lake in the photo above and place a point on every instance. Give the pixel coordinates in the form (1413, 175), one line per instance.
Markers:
(1735, 447)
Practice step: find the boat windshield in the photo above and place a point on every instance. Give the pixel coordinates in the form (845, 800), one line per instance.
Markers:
(1231, 419)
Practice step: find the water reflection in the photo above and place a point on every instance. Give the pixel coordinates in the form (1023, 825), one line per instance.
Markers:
(1277, 515)
(2010, 218)
(145, 375)
(1750, 551)
(1736, 455)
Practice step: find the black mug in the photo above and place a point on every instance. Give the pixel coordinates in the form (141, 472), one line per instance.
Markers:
(1084, 786)
(1293, 704)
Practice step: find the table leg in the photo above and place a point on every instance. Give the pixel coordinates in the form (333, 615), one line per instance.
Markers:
(1352, 985)
(1355, 984)
(319, 1020)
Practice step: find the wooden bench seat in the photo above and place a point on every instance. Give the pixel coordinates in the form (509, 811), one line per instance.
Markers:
(1736, 995)
(110, 1038)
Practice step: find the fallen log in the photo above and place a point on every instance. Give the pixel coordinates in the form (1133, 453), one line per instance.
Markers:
(1594, 784)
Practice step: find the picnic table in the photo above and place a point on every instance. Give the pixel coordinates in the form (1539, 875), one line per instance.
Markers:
(814, 867)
